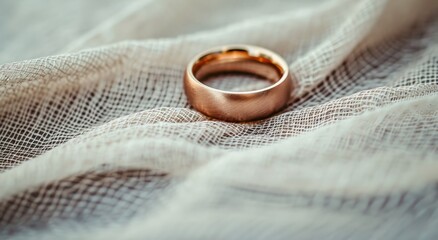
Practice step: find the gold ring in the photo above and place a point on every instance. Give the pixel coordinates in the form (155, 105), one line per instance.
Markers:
(238, 106)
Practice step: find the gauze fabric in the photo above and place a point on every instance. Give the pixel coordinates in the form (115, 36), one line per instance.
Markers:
(99, 142)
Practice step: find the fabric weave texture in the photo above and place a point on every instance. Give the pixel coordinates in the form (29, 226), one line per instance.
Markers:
(97, 140)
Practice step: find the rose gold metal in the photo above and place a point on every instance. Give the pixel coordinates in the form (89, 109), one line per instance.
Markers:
(238, 106)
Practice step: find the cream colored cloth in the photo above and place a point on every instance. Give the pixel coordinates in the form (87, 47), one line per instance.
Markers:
(100, 142)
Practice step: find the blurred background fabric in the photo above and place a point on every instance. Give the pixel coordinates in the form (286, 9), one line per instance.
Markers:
(97, 140)
(31, 29)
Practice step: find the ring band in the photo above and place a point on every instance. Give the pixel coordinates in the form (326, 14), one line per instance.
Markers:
(238, 106)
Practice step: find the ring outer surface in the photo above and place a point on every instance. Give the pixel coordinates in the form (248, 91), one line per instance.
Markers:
(238, 106)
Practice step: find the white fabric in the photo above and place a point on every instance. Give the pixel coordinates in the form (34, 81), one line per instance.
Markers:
(101, 143)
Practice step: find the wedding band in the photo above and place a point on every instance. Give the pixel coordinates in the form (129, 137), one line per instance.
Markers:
(238, 106)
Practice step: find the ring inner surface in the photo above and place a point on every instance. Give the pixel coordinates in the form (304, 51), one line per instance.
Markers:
(237, 61)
